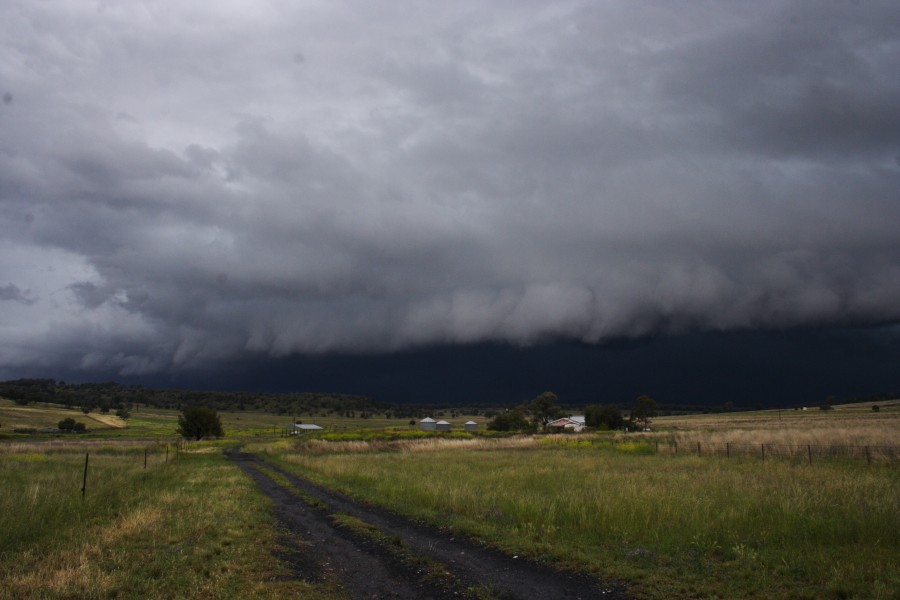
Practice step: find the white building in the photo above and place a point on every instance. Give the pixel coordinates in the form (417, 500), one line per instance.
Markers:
(573, 423)
(304, 428)
(427, 424)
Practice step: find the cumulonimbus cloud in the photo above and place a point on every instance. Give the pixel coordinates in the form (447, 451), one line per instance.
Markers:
(177, 190)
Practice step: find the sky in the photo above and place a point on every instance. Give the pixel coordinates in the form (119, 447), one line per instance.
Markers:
(384, 197)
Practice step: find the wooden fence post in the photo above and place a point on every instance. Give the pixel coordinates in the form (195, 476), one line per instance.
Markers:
(728, 450)
(145, 458)
(868, 457)
(84, 478)
(809, 452)
(698, 448)
(763, 451)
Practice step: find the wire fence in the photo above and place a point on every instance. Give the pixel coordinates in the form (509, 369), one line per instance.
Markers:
(808, 453)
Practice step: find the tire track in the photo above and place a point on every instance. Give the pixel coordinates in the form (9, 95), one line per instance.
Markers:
(475, 571)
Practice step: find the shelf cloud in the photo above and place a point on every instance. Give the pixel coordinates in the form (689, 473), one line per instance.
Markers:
(183, 186)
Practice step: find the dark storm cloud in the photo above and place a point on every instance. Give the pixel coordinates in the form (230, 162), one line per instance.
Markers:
(11, 292)
(181, 188)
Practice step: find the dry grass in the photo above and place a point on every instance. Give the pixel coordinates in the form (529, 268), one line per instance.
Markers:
(848, 425)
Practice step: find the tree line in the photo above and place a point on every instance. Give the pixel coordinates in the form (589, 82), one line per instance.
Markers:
(113, 397)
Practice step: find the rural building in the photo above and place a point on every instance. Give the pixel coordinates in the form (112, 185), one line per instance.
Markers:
(573, 423)
(427, 424)
(443, 426)
(471, 426)
(297, 428)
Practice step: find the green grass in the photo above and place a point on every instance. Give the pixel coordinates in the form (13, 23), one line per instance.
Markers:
(192, 528)
(149, 423)
(678, 527)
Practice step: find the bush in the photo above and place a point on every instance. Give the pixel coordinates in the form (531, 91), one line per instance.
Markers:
(199, 422)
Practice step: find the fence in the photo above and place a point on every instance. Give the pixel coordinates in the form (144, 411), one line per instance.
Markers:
(808, 453)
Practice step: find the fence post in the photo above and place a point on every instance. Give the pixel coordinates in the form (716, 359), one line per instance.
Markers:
(676, 446)
(763, 451)
(84, 478)
(809, 452)
(167, 454)
(728, 450)
(868, 457)
(657, 446)
(698, 448)
(145, 458)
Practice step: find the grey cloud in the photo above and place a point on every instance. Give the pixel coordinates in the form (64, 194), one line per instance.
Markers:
(484, 173)
(11, 293)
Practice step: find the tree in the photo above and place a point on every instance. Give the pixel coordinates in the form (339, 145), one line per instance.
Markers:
(67, 424)
(644, 408)
(543, 409)
(603, 416)
(198, 422)
(511, 420)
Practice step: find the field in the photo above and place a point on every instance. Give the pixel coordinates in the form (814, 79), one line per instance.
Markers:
(618, 506)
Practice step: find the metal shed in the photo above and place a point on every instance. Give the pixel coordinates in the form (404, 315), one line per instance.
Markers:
(443, 426)
(471, 426)
(427, 424)
(304, 428)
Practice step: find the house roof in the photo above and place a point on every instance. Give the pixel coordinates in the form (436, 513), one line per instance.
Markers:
(565, 420)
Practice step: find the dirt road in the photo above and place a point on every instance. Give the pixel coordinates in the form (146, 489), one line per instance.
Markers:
(389, 556)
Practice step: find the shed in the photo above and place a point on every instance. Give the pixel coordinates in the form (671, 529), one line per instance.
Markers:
(443, 426)
(304, 428)
(471, 426)
(427, 424)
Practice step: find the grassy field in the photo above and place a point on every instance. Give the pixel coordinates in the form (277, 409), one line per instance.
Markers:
(192, 527)
(677, 526)
(672, 525)
(148, 423)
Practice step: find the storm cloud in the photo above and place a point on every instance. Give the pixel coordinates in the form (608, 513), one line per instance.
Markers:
(182, 186)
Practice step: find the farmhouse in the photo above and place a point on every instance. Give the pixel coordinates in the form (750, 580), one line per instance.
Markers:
(573, 423)
(427, 424)
(442, 426)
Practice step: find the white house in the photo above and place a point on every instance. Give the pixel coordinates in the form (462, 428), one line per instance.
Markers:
(443, 426)
(427, 424)
(572, 423)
